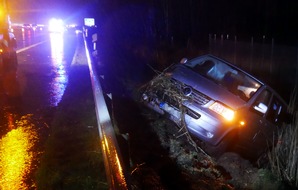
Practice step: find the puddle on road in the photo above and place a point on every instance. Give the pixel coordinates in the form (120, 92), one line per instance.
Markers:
(17, 155)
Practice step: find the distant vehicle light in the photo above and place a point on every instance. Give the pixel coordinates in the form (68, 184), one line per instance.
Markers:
(222, 110)
(56, 25)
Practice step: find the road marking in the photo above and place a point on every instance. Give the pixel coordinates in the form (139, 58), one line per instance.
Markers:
(26, 48)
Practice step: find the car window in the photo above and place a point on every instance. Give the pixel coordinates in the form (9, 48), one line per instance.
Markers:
(232, 79)
(261, 104)
(275, 110)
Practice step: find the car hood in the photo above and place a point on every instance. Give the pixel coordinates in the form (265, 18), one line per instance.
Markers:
(206, 86)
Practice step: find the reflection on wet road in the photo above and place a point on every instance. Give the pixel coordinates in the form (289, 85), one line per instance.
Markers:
(42, 79)
(16, 153)
(60, 79)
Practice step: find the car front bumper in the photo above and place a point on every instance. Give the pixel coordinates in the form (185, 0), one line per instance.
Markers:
(200, 123)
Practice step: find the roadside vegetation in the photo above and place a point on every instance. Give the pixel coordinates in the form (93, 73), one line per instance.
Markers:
(283, 157)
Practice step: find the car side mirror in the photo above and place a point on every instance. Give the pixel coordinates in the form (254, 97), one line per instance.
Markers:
(261, 107)
(183, 60)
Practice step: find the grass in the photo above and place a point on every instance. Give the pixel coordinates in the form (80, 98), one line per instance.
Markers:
(72, 158)
(283, 157)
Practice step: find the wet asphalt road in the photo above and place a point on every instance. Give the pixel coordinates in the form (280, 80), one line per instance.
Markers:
(43, 69)
(44, 60)
(42, 75)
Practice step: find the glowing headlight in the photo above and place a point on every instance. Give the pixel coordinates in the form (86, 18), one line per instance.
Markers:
(222, 110)
(56, 25)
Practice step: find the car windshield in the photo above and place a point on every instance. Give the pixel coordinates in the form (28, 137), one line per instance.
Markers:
(234, 80)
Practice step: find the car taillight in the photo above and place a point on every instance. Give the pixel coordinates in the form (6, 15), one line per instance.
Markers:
(222, 110)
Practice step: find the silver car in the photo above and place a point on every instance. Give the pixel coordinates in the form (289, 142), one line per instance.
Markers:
(219, 104)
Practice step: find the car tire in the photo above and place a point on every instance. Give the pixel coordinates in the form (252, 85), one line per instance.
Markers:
(223, 146)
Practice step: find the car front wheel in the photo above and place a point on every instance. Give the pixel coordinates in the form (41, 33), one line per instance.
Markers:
(223, 146)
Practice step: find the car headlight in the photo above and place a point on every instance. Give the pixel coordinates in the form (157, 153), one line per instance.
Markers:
(222, 110)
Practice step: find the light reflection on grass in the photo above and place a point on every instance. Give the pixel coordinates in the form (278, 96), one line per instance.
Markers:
(16, 154)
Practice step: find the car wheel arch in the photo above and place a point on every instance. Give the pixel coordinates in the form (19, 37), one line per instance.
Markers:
(225, 144)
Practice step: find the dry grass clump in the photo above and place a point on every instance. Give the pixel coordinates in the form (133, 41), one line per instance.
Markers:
(195, 166)
(167, 87)
(163, 83)
(284, 156)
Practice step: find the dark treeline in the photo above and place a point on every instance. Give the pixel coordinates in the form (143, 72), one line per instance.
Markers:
(195, 19)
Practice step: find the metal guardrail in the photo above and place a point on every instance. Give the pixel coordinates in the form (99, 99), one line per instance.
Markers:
(116, 176)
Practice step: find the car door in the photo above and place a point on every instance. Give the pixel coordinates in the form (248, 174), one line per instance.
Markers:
(275, 117)
(257, 130)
